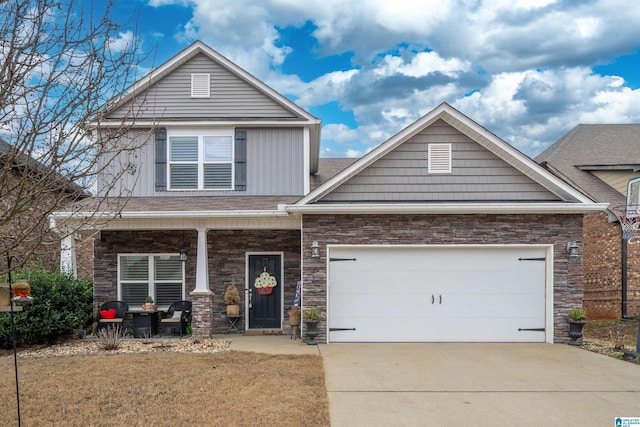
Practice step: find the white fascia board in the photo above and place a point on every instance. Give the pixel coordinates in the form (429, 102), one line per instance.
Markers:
(373, 155)
(470, 128)
(172, 214)
(522, 162)
(198, 47)
(201, 123)
(449, 208)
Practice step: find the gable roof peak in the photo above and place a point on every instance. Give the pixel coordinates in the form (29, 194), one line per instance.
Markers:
(470, 128)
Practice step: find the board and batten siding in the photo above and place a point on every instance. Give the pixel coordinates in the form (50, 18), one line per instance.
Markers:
(231, 97)
(124, 173)
(477, 174)
(275, 166)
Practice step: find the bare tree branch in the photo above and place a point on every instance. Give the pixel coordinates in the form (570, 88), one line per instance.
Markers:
(61, 61)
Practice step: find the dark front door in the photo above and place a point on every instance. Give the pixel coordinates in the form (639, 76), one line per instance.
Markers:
(265, 287)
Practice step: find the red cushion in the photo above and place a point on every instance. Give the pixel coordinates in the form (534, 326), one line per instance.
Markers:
(108, 314)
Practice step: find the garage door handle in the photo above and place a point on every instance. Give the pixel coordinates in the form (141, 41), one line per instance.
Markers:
(433, 299)
(440, 299)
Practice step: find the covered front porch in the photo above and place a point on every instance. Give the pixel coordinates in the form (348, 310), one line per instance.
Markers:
(138, 254)
(215, 258)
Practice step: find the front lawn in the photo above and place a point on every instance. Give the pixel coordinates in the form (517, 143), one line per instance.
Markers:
(166, 389)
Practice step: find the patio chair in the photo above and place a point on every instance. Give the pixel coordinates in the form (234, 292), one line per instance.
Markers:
(177, 317)
(112, 313)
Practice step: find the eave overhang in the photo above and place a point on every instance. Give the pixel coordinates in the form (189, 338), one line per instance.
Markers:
(448, 208)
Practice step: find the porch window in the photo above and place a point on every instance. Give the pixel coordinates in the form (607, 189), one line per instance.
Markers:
(201, 161)
(140, 275)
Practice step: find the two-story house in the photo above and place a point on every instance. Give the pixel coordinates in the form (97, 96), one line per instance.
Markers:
(444, 232)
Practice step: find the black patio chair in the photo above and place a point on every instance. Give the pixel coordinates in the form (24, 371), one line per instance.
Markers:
(120, 308)
(176, 318)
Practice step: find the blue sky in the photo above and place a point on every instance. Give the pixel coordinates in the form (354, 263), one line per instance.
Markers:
(529, 70)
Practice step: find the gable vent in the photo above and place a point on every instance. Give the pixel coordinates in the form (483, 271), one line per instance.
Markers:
(200, 86)
(439, 160)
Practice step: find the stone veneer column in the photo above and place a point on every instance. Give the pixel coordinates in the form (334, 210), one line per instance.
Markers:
(202, 297)
(202, 313)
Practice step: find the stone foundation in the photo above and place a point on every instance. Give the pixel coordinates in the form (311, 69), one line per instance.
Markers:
(202, 314)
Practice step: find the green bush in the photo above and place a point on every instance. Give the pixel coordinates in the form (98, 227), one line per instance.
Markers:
(61, 303)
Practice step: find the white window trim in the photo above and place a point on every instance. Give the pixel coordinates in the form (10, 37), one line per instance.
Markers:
(439, 158)
(201, 133)
(150, 279)
(200, 85)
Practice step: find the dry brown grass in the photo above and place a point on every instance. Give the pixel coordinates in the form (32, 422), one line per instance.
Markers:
(166, 389)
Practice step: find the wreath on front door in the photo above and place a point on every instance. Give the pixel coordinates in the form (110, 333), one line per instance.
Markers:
(265, 283)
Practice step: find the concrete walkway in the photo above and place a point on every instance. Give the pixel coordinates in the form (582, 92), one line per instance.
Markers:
(270, 344)
(477, 384)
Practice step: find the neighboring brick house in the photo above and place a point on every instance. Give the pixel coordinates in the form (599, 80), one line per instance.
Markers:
(442, 233)
(43, 253)
(600, 160)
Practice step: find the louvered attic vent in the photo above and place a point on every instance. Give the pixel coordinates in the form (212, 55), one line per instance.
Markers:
(439, 160)
(200, 86)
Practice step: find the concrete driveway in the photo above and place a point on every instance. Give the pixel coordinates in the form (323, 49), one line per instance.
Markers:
(477, 384)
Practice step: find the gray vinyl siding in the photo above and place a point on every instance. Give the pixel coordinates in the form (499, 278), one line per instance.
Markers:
(275, 166)
(275, 161)
(123, 174)
(231, 97)
(477, 174)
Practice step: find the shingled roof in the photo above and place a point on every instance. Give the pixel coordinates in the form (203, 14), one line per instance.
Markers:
(589, 148)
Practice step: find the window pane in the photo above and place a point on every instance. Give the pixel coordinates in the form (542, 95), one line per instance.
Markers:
(134, 268)
(184, 148)
(217, 148)
(168, 268)
(184, 176)
(166, 293)
(217, 176)
(134, 293)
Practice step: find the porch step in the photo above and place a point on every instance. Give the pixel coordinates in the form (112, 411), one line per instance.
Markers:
(260, 332)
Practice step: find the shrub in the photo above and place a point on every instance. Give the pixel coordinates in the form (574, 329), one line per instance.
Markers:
(577, 313)
(111, 337)
(61, 303)
(231, 295)
(312, 313)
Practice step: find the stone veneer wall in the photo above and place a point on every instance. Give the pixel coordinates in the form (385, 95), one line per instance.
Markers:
(227, 257)
(227, 261)
(603, 269)
(448, 229)
(111, 243)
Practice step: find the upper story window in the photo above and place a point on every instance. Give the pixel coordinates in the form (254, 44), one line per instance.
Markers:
(439, 158)
(200, 85)
(201, 161)
(159, 275)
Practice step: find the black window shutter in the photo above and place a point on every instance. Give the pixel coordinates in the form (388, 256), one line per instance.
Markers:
(240, 160)
(161, 159)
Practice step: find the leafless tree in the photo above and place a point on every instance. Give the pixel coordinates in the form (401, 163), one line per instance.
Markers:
(60, 61)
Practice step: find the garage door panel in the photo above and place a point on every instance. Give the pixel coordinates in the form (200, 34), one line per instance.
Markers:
(407, 329)
(440, 294)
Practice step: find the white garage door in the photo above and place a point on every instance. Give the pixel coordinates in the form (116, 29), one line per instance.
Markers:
(437, 294)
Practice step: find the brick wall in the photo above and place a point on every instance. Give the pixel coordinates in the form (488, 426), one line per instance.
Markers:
(603, 269)
(449, 229)
(227, 257)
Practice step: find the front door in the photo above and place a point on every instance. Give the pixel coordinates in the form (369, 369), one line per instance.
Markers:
(265, 291)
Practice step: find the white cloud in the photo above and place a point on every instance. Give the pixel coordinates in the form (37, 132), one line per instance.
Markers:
(523, 69)
(122, 42)
(339, 133)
